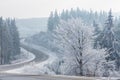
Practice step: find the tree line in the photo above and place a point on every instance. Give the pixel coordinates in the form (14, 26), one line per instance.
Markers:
(87, 16)
(9, 41)
(73, 40)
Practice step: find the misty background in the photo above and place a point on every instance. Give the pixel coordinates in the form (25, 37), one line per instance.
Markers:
(42, 8)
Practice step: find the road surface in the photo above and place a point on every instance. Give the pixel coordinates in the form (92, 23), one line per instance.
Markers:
(38, 66)
(40, 56)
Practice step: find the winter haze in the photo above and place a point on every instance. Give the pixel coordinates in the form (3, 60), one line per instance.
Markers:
(42, 8)
(59, 39)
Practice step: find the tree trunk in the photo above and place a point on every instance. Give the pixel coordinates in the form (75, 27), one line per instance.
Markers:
(81, 68)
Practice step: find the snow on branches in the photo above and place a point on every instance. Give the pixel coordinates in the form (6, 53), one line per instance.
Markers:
(75, 41)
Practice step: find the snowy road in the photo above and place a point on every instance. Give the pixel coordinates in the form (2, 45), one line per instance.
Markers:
(40, 56)
(43, 57)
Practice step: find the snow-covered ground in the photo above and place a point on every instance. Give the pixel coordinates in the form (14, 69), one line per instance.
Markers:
(38, 68)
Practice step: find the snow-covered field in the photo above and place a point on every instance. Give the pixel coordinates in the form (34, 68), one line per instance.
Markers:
(38, 68)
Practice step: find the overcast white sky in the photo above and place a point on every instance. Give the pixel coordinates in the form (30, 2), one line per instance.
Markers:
(42, 8)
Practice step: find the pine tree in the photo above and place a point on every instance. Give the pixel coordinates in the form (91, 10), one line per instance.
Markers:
(6, 44)
(107, 36)
(9, 41)
(1, 50)
(53, 21)
(96, 33)
(72, 13)
(50, 22)
(62, 15)
(107, 39)
(56, 19)
(96, 26)
(67, 15)
(15, 37)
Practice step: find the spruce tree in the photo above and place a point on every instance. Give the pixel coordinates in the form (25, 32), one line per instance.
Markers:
(9, 41)
(1, 50)
(62, 16)
(15, 38)
(96, 34)
(107, 39)
(56, 19)
(50, 22)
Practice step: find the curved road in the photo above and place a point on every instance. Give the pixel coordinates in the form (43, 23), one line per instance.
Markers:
(40, 56)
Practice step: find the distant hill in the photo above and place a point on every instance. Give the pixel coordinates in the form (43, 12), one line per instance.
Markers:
(31, 26)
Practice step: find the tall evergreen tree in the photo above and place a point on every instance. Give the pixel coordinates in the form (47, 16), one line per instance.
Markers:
(96, 34)
(107, 36)
(15, 38)
(53, 21)
(50, 22)
(9, 41)
(67, 15)
(107, 39)
(4, 42)
(1, 50)
(73, 13)
(56, 19)
(62, 16)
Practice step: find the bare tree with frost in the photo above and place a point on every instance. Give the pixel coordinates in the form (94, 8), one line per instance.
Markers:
(75, 42)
